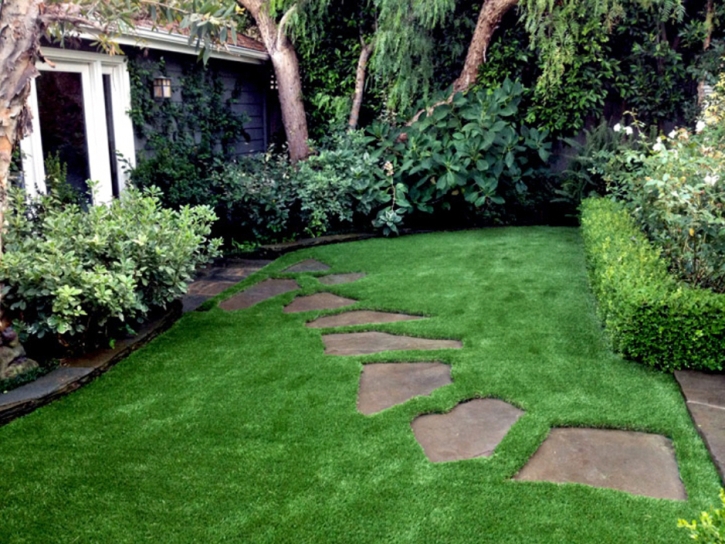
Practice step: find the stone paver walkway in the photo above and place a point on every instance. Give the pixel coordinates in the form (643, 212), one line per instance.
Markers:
(359, 317)
(217, 279)
(257, 293)
(363, 343)
(383, 385)
(318, 301)
(705, 398)
(472, 429)
(638, 463)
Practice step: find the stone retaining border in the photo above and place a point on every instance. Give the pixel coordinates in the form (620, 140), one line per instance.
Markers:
(75, 372)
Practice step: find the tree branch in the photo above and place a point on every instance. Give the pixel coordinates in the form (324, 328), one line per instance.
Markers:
(281, 34)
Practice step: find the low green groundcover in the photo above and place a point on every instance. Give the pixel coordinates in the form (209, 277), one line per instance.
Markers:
(234, 427)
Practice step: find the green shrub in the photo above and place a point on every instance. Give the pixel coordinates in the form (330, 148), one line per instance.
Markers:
(264, 198)
(650, 316)
(673, 189)
(80, 276)
(473, 150)
(711, 529)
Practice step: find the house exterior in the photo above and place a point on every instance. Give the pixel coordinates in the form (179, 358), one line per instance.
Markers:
(82, 99)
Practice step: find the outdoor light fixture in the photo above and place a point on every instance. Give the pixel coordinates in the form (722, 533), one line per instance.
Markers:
(162, 87)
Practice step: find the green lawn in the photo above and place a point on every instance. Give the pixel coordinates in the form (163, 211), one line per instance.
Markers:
(234, 427)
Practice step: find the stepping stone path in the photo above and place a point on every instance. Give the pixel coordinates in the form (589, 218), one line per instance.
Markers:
(705, 397)
(318, 301)
(336, 279)
(362, 343)
(217, 279)
(472, 429)
(258, 293)
(638, 463)
(359, 317)
(383, 385)
(308, 265)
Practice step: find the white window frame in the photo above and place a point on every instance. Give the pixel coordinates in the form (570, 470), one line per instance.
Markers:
(92, 67)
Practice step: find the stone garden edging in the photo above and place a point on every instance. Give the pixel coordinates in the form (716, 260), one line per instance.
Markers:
(75, 372)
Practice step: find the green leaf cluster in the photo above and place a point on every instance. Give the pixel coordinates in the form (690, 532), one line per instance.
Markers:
(711, 526)
(473, 149)
(80, 276)
(650, 316)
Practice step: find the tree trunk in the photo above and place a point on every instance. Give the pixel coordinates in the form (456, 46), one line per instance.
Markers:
(287, 71)
(709, 26)
(362, 65)
(492, 11)
(20, 29)
(19, 49)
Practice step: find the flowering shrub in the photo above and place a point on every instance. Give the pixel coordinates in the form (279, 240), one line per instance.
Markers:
(674, 189)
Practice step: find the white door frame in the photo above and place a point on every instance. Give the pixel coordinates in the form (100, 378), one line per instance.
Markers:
(92, 67)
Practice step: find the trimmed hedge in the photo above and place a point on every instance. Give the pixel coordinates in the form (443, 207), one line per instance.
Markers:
(650, 316)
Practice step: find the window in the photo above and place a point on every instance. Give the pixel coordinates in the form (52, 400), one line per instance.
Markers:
(80, 113)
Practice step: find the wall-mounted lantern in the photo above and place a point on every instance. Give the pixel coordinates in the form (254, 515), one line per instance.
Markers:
(162, 87)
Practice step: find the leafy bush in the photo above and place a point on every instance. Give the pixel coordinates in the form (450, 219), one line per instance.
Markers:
(79, 276)
(711, 529)
(649, 315)
(265, 198)
(473, 149)
(673, 189)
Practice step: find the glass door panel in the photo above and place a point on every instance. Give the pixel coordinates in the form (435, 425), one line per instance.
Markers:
(62, 123)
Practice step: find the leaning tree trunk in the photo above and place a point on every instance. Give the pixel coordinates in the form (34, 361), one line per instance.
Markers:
(20, 29)
(492, 11)
(287, 71)
(362, 64)
(19, 49)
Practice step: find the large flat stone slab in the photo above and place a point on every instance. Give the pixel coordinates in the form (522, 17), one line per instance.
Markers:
(359, 317)
(318, 301)
(337, 279)
(383, 385)
(258, 293)
(308, 265)
(472, 429)
(362, 343)
(638, 463)
(705, 397)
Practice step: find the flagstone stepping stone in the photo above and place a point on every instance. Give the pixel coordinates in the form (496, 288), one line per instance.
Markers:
(638, 463)
(258, 293)
(362, 343)
(705, 396)
(472, 429)
(383, 385)
(359, 317)
(308, 265)
(336, 279)
(318, 301)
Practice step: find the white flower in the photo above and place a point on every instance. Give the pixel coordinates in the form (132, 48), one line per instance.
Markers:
(617, 127)
(659, 146)
(672, 134)
(711, 179)
(629, 130)
(700, 126)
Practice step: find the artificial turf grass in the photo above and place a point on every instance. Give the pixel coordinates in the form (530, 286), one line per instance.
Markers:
(233, 426)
